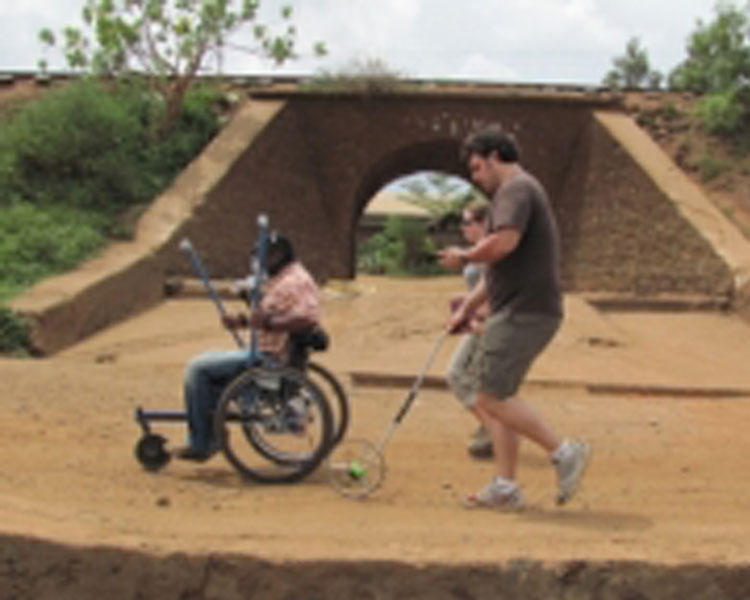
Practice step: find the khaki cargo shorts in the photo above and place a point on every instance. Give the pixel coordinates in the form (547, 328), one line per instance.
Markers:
(509, 345)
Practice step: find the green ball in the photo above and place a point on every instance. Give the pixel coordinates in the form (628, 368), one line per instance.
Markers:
(357, 470)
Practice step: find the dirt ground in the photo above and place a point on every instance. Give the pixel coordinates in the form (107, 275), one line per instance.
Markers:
(663, 398)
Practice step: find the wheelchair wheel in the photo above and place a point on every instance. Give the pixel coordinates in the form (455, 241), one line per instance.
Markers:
(274, 425)
(336, 395)
(150, 451)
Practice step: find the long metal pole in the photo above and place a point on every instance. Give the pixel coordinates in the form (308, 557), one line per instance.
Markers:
(187, 247)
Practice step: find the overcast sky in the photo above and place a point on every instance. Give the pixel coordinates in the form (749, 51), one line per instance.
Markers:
(545, 41)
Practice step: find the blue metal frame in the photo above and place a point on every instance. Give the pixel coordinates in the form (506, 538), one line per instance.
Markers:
(259, 269)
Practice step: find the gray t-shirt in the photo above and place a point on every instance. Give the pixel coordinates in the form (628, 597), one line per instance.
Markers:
(528, 279)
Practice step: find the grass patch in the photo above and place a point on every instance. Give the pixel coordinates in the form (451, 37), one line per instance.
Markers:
(37, 242)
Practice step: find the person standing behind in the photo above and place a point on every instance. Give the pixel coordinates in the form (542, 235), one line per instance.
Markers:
(462, 372)
(522, 284)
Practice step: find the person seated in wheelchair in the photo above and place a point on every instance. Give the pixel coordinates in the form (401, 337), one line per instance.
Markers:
(287, 321)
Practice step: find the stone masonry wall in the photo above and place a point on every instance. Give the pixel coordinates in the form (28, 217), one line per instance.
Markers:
(621, 234)
(313, 169)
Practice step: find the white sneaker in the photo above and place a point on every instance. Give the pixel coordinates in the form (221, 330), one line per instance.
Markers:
(570, 469)
(497, 496)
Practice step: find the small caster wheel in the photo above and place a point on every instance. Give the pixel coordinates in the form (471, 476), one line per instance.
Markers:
(151, 453)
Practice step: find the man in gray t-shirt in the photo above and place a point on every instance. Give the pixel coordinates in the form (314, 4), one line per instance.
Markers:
(527, 280)
(522, 284)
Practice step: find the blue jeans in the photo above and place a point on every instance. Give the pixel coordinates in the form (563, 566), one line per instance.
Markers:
(206, 376)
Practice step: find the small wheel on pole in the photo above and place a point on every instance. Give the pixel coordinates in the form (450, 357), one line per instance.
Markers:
(151, 451)
(356, 468)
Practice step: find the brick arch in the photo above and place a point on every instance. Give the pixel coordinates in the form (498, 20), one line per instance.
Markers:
(440, 155)
(316, 164)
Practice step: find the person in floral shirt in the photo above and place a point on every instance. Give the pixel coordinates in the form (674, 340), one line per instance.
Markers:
(290, 304)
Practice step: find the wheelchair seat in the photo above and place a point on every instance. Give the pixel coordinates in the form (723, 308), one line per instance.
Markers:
(314, 339)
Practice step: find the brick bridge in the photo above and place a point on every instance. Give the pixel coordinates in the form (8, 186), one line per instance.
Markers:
(319, 160)
(312, 161)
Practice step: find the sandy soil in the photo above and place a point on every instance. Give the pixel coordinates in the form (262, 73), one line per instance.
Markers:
(666, 487)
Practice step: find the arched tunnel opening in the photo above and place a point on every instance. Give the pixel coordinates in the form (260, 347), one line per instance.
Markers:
(413, 211)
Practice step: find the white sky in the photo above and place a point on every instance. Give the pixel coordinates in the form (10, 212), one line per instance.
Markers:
(532, 41)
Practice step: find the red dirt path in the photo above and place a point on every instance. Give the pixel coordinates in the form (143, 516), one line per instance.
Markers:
(666, 485)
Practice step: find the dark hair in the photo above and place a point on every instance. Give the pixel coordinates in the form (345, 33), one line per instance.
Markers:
(491, 139)
(280, 252)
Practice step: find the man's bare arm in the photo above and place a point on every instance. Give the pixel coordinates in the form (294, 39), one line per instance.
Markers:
(491, 248)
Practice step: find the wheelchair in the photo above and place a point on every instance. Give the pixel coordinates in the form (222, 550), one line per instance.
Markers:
(274, 423)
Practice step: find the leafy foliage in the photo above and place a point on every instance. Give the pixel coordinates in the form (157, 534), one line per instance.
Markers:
(77, 147)
(438, 193)
(723, 112)
(87, 146)
(402, 248)
(718, 66)
(169, 41)
(632, 70)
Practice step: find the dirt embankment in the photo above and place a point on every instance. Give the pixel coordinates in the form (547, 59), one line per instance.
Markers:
(36, 570)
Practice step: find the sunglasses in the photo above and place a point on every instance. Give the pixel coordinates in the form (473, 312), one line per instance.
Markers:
(466, 223)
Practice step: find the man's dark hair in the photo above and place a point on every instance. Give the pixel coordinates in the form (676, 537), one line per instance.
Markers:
(280, 252)
(491, 139)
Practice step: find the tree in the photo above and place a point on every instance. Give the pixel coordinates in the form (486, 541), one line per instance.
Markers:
(438, 193)
(169, 41)
(718, 66)
(718, 53)
(632, 70)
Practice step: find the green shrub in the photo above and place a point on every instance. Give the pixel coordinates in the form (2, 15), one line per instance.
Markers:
(36, 242)
(402, 248)
(197, 124)
(14, 332)
(94, 147)
(79, 146)
(722, 113)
